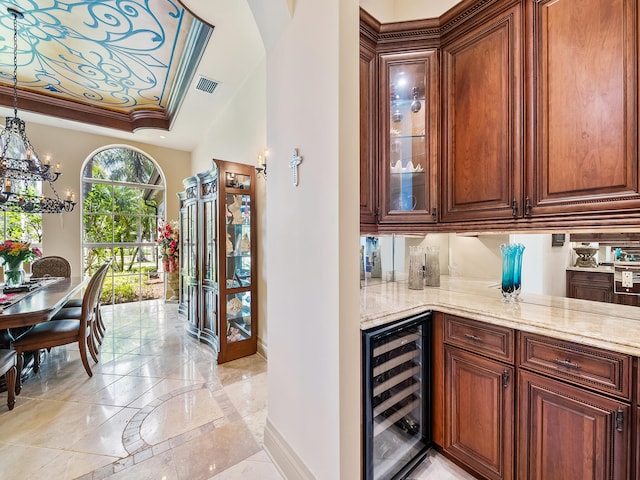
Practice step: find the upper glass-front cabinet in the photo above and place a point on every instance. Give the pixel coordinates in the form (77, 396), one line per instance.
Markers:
(409, 149)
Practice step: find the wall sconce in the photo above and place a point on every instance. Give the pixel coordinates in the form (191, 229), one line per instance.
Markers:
(261, 164)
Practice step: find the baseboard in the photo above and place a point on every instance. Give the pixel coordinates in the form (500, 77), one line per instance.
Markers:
(262, 348)
(284, 457)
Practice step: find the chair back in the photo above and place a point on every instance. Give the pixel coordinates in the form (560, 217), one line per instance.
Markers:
(91, 298)
(51, 266)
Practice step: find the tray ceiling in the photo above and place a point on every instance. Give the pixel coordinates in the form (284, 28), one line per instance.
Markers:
(113, 63)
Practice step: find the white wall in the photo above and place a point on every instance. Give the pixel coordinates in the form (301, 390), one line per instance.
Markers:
(238, 134)
(381, 10)
(477, 257)
(61, 233)
(419, 9)
(386, 11)
(312, 245)
(543, 266)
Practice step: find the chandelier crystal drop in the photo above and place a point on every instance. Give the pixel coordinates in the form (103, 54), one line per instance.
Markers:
(20, 165)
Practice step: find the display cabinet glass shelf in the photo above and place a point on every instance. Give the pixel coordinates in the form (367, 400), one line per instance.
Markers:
(225, 259)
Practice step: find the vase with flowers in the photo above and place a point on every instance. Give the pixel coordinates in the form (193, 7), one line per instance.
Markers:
(169, 242)
(13, 254)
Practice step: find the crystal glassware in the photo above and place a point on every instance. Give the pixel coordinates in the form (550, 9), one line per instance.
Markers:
(511, 284)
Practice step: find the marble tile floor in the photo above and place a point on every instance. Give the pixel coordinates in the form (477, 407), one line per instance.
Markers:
(157, 407)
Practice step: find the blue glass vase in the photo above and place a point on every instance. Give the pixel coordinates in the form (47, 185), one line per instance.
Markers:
(511, 284)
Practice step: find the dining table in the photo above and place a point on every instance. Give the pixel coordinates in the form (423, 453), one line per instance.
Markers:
(39, 301)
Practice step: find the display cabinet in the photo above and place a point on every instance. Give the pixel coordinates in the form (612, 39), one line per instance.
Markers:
(409, 141)
(218, 287)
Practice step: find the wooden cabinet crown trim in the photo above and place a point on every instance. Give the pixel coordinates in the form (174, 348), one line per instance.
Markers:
(434, 28)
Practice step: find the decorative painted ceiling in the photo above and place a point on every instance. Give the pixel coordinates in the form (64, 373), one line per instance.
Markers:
(123, 64)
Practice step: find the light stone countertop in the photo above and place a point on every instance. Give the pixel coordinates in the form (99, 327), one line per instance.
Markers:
(604, 325)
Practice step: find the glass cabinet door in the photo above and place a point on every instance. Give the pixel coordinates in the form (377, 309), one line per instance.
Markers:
(238, 317)
(238, 241)
(407, 124)
(410, 139)
(210, 250)
(191, 247)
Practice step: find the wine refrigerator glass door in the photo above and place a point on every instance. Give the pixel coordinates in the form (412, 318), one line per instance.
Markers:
(397, 403)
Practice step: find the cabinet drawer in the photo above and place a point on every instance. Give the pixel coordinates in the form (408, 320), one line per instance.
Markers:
(492, 340)
(591, 367)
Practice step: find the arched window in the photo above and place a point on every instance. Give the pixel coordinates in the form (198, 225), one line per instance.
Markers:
(123, 199)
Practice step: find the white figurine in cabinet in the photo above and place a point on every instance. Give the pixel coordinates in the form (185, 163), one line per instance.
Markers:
(235, 209)
(245, 244)
(229, 244)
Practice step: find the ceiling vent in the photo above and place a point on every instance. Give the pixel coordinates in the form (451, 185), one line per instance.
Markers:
(206, 84)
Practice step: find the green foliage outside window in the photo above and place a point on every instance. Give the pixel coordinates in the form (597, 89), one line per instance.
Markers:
(25, 227)
(121, 212)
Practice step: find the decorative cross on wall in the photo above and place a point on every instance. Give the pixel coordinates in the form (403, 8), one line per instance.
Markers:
(293, 165)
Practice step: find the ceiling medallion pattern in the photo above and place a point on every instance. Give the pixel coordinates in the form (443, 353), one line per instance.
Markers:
(113, 53)
(115, 63)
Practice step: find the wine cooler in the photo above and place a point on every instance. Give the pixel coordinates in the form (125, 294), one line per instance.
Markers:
(397, 397)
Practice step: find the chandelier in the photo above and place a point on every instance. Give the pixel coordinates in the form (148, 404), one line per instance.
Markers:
(20, 165)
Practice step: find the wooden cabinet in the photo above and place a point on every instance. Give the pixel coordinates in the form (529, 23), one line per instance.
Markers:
(408, 141)
(479, 396)
(218, 261)
(583, 79)
(537, 107)
(637, 430)
(568, 432)
(368, 134)
(594, 368)
(399, 129)
(597, 286)
(574, 411)
(586, 285)
(577, 407)
(482, 141)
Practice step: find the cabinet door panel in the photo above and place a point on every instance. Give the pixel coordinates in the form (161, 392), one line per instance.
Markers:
(568, 433)
(585, 155)
(368, 135)
(479, 413)
(590, 286)
(482, 145)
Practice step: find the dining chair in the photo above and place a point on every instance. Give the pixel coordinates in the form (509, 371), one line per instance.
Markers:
(74, 311)
(50, 266)
(63, 331)
(9, 369)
